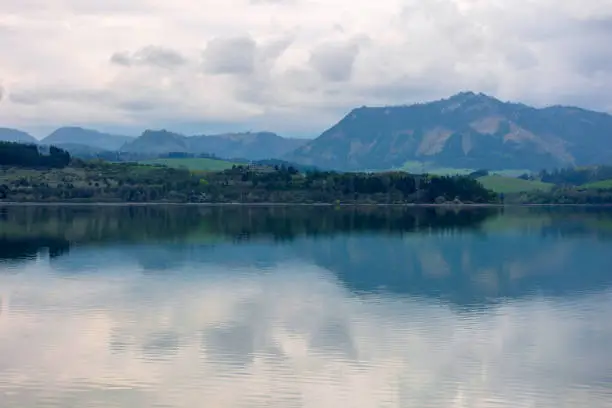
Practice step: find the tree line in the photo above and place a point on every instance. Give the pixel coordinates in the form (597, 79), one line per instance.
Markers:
(576, 176)
(29, 155)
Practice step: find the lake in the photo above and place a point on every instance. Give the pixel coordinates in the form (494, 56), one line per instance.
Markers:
(187, 306)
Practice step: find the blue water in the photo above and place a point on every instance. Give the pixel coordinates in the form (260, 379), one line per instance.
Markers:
(305, 307)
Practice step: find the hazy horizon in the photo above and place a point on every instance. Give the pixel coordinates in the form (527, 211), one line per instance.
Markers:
(217, 129)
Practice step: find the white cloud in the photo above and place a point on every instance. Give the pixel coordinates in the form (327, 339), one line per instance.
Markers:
(295, 65)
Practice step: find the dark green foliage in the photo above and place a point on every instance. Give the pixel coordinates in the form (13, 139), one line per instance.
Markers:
(279, 163)
(577, 176)
(564, 196)
(102, 181)
(26, 155)
(286, 184)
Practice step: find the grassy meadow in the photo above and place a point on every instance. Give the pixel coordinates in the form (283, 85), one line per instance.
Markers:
(603, 184)
(509, 185)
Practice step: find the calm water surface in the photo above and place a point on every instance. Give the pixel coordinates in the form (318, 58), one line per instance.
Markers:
(305, 307)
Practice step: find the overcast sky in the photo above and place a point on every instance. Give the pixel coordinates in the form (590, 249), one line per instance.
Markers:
(290, 66)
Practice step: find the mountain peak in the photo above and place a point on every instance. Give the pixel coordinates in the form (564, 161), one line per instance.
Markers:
(469, 101)
(463, 95)
(466, 96)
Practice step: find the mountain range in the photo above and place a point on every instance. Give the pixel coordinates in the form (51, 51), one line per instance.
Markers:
(152, 143)
(252, 146)
(467, 130)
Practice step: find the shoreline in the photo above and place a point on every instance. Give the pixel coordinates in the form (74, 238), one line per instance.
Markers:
(273, 204)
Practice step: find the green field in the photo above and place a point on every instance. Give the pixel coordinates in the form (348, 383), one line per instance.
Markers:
(202, 164)
(508, 185)
(603, 184)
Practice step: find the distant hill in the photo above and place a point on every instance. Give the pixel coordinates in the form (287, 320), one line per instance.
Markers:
(250, 146)
(87, 137)
(156, 142)
(467, 130)
(14, 135)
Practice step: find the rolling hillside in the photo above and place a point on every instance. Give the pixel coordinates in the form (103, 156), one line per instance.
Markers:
(508, 185)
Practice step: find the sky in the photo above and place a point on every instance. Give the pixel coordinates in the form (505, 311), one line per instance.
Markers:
(290, 66)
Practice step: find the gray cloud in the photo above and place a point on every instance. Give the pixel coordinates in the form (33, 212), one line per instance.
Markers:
(589, 48)
(137, 105)
(1, 93)
(234, 55)
(121, 58)
(539, 52)
(151, 56)
(274, 49)
(61, 94)
(129, 100)
(334, 62)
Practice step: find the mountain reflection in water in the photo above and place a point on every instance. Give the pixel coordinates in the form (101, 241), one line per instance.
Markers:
(176, 306)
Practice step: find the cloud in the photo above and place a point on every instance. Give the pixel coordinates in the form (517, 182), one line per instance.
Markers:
(334, 62)
(234, 55)
(38, 96)
(152, 56)
(290, 63)
(121, 58)
(1, 93)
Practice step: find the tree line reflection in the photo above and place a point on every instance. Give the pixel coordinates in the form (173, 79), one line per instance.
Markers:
(24, 231)
(466, 256)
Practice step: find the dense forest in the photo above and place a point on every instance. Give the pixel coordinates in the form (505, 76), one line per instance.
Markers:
(576, 176)
(32, 156)
(563, 196)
